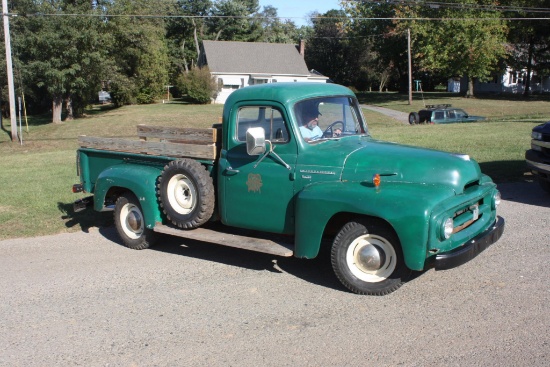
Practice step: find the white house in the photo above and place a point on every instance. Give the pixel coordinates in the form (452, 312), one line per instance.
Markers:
(512, 81)
(239, 64)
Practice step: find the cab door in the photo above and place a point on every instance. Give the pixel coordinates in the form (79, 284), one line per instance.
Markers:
(253, 194)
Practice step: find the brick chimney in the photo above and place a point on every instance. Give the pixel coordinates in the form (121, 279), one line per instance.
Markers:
(302, 47)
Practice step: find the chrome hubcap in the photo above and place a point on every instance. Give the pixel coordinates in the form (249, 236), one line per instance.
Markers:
(370, 258)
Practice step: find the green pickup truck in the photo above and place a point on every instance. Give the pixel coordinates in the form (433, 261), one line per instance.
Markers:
(293, 167)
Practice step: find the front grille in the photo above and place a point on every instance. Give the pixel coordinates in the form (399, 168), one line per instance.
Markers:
(466, 217)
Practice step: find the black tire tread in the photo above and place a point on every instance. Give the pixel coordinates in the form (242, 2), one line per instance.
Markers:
(355, 285)
(147, 239)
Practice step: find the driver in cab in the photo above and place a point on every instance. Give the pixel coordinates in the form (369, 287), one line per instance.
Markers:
(310, 129)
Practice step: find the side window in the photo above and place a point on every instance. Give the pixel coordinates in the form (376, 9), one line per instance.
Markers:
(439, 115)
(452, 114)
(262, 116)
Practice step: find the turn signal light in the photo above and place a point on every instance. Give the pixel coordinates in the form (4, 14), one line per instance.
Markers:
(77, 188)
(376, 180)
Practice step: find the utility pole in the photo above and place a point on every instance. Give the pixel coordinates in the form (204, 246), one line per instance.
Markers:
(410, 65)
(11, 88)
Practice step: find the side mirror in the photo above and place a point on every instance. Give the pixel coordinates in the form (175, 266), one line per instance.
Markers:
(255, 141)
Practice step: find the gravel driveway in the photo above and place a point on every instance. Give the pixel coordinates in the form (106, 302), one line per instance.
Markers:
(396, 115)
(82, 299)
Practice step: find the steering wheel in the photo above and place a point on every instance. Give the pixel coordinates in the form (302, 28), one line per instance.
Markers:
(329, 131)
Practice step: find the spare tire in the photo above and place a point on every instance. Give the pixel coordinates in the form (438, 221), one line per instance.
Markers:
(186, 193)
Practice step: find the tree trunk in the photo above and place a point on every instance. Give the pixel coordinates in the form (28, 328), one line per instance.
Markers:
(470, 92)
(57, 107)
(527, 85)
(184, 59)
(196, 40)
(69, 107)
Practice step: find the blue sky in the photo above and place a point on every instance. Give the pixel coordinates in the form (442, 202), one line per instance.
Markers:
(297, 10)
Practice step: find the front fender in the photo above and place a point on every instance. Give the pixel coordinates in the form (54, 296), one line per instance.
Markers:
(139, 179)
(405, 206)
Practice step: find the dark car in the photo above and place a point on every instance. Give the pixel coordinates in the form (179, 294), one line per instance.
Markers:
(441, 114)
(538, 157)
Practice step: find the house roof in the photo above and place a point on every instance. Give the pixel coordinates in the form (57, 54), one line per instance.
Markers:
(254, 58)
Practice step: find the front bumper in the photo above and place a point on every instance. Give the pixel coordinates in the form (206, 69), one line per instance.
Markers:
(470, 249)
(538, 162)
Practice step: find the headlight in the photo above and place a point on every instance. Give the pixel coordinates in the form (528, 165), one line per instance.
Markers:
(536, 135)
(447, 228)
(496, 199)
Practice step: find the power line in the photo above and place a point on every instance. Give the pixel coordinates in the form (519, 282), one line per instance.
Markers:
(438, 5)
(254, 17)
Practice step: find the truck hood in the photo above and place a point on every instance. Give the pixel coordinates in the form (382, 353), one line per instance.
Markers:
(401, 163)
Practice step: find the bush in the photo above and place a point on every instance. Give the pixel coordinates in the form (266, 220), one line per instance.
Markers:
(199, 85)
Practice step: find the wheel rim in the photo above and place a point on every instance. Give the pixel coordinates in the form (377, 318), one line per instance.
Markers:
(132, 221)
(182, 195)
(411, 120)
(371, 258)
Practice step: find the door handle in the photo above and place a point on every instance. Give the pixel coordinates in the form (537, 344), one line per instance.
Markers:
(231, 170)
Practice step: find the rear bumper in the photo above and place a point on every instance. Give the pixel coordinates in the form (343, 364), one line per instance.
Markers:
(470, 249)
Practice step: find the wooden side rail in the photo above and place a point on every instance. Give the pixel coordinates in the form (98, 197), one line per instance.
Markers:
(173, 142)
(183, 135)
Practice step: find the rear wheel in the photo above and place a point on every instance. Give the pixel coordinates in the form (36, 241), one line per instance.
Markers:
(367, 258)
(414, 118)
(130, 223)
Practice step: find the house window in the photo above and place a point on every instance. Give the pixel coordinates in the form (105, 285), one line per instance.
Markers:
(261, 81)
(513, 77)
(230, 86)
(268, 118)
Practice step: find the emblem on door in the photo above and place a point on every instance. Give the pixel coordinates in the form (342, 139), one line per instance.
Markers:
(254, 182)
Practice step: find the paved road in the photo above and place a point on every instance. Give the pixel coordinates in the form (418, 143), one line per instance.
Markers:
(82, 299)
(397, 115)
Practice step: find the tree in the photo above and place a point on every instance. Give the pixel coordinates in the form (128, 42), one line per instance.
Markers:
(60, 55)
(182, 34)
(529, 41)
(466, 40)
(235, 20)
(328, 50)
(137, 67)
(275, 30)
(382, 47)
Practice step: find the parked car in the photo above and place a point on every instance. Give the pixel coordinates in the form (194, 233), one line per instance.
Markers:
(538, 157)
(441, 114)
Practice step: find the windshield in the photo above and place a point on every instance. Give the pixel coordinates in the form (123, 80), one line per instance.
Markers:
(329, 117)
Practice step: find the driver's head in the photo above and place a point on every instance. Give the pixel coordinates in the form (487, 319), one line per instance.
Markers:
(310, 116)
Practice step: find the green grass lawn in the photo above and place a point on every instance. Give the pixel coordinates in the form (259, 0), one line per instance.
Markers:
(36, 177)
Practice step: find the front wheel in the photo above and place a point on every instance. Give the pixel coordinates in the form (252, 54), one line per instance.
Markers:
(130, 223)
(367, 258)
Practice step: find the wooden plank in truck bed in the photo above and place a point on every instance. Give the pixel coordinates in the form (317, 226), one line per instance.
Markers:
(148, 147)
(178, 134)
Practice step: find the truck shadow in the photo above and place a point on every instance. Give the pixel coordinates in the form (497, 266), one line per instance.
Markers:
(317, 271)
(85, 219)
(525, 192)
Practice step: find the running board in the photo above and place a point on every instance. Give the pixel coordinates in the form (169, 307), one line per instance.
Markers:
(272, 247)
